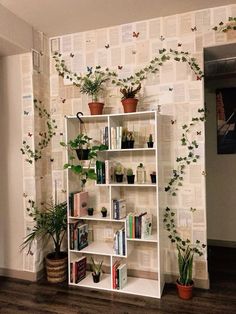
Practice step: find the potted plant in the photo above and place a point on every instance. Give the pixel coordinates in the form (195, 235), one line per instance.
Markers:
(186, 252)
(127, 139)
(153, 177)
(92, 84)
(104, 211)
(50, 223)
(128, 99)
(150, 141)
(96, 270)
(130, 176)
(87, 172)
(119, 173)
(90, 211)
(81, 145)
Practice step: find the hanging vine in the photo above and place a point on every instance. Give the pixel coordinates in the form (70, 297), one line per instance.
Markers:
(226, 26)
(45, 137)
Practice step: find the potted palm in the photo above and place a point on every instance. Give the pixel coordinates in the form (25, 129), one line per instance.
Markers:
(128, 99)
(186, 252)
(50, 224)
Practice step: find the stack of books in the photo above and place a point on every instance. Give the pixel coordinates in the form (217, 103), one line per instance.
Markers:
(78, 270)
(119, 275)
(119, 208)
(139, 226)
(78, 235)
(78, 204)
(119, 242)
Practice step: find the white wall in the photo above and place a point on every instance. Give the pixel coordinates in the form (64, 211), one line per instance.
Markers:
(11, 189)
(220, 179)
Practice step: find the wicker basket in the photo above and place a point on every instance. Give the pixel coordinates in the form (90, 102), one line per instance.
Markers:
(56, 268)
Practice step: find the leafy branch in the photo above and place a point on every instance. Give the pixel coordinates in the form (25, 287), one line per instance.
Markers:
(225, 27)
(177, 177)
(45, 137)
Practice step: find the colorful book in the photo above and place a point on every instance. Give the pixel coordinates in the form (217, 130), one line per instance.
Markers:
(122, 271)
(81, 268)
(80, 204)
(82, 236)
(146, 226)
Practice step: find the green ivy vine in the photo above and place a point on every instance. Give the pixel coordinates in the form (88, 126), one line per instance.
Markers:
(225, 27)
(34, 155)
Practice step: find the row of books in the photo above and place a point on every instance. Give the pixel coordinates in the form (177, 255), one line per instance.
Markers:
(78, 204)
(119, 242)
(118, 208)
(78, 235)
(78, 270)
(116, 137)
(139, 226)
(105, 171)
(119, 275)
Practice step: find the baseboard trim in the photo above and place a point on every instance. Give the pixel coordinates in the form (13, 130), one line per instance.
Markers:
(21, 274)
(198, 283)
(222, 243)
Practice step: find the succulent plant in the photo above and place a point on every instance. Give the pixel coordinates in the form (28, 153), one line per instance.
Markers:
(150, 138)
(129, 92)
(119, 169)
(129, 172)
(104, 209)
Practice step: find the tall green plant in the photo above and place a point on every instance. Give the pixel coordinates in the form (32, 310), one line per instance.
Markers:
(50, 224)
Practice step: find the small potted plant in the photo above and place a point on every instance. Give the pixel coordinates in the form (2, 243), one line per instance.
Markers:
(90, 211)
(104, 211)
(130, 139)
(119, 173)
(96, 270)
(153, 177)
(81, 145)
(130, 176)
(186, 252)
(150, 141)
(128, 99)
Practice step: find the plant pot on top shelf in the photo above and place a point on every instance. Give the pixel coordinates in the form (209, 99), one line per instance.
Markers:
(96, 107)
(128, 100)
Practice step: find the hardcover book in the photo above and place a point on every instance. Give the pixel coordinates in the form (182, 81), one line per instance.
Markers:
(122, 271)
(82, 236)
(80, 204)
(81, 268)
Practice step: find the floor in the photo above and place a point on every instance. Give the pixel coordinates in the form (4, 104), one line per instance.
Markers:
(18, 296)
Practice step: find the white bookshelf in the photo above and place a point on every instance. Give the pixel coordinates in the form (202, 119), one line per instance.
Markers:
(145, 277)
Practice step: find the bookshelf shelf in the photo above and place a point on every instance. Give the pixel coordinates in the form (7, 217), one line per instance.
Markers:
(142, 263)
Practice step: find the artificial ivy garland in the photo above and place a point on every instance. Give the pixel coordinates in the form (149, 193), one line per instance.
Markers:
(34, 155)
(225, 27)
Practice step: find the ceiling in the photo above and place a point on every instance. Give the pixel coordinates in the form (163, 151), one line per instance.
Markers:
(57, 17)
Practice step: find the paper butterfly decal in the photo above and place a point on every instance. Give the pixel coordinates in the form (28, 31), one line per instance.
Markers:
(170, 89)
(41, 178)
(179, 44)
(194, 29)
(90, 69)
(107, 46)
(30, 134)
(61, 133)
(134, 52)
(52, 159)
(162, 38)
(120, 67)
(63, 100)
(26, 113)
(72, 55)
(40, 134)
(63, 191)
(173, 121)
(199, 132)
(25, 195)
(135, 34)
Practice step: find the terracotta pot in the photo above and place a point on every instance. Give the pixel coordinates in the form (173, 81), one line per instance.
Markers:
(129, 104)
(96, 108)
(56, 268)
(184, 292)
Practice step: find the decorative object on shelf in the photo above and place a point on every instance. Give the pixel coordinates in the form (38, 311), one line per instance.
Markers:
(150, 141)
(96, 270)
(90, 211)
(128, 99)
(153, 177)
(45, 137)
(104, 211)
(141, 174)
(130, 176)
(119, 173)
(127, 139)
(49, 223)
(85, 172)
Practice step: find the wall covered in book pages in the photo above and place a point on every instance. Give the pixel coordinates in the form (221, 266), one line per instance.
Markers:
(174, 91)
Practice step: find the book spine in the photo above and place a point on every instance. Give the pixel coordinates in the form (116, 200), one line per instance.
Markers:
(123, 242)
(103, 173)
(120, 237)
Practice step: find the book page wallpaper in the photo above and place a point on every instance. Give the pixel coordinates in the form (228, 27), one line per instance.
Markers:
(173, 91)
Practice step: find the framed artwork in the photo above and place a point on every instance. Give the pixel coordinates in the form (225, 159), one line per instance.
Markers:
(36, 60)
(226, 120)
(55, 45)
